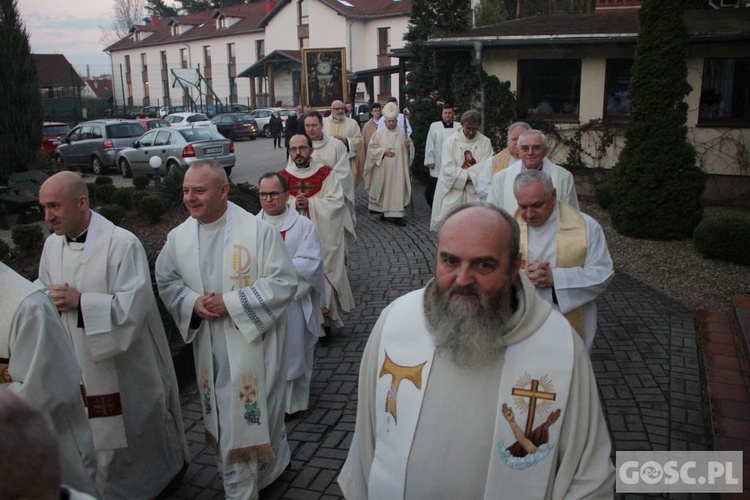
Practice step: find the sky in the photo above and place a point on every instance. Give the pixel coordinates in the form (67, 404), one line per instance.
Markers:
(71, 28)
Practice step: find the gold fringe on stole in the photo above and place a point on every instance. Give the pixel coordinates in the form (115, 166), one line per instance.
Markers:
(500, 161)
(211, 441)
(259, 453)
(571, 250)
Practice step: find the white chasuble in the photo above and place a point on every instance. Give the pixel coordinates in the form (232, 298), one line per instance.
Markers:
(532, 401)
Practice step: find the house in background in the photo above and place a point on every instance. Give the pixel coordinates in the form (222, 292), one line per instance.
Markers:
(250, 54)
(572, 69)
(60, 87)
(97, 88)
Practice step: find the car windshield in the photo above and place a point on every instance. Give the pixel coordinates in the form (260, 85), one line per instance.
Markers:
(197, 118)
(121, 130)
(55, 130)
(200, 134)
(157, 124)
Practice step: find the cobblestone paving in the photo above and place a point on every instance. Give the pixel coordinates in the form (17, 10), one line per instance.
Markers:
(645, 358)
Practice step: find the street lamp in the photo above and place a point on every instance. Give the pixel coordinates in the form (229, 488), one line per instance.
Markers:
(155, 163)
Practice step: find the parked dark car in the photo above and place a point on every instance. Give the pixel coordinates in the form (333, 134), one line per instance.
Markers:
(53, 134)
(96, 143)
(236, 126)
(149, 112)
(176, 146)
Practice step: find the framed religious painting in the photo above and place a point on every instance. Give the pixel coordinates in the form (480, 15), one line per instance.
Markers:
(324, 77)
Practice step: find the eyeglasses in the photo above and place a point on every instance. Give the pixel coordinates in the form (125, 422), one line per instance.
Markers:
(301, 148)
(273, 195)
(535, 147)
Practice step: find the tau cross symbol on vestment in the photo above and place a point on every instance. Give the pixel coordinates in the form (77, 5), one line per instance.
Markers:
(533, 393)
(399, 373)
(303, 187)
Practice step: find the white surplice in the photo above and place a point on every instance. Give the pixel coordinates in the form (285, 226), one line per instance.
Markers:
(125, 356)
(452, 447)
(501, 187)
(574, 286)
(332, 153)
(490, 167)
(37, 363)
(327, 211)
(304, 314)
(355, 147)
(240, 360)
(433, 146)
(388, 178)
(456, 185)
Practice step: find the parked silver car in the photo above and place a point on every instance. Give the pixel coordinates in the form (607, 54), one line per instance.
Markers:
(96, 143)
(176, 146)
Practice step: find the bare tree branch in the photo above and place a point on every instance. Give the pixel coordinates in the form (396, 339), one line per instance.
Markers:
(125, 15)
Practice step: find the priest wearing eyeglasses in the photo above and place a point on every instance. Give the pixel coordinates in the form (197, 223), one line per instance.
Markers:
(532, 146)
(316, 193)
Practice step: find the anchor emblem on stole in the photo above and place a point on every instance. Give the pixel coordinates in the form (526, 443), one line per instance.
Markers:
(399, 373)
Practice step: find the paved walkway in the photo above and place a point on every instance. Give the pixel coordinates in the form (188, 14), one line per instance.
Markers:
(645, 358)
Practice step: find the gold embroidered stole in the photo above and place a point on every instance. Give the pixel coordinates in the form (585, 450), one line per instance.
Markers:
(500, 161)
(571, 250)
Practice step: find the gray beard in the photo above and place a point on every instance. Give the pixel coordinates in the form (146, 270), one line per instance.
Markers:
(338, 118)
(471, 332)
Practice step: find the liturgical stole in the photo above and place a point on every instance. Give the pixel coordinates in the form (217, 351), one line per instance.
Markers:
(571, 250)
(537, 392)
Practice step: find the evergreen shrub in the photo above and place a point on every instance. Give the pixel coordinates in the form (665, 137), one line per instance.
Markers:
(137, 196)
(170, 188)
(603, 194)
(104, 193)
(151, 207)
(92, 189)
(103, 181)
(4, 252)
(27, 237)
(123, 197)
(141, 181)
(724, 238)
(113, 213)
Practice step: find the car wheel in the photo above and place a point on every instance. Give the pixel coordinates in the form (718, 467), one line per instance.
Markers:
(228, 170)
(59, 160)
(125, 169)
(267, 131)
(172, 166)
(97, 166)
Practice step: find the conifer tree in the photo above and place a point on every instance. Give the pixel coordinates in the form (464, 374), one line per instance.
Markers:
(20, 101)
(656, 185)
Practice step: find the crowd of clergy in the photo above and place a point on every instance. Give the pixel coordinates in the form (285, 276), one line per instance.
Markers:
(505, 325)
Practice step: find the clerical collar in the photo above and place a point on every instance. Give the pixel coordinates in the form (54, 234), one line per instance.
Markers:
(448, 124)
(81, 238)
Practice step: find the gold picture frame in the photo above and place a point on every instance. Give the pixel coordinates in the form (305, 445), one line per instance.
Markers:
(324, 77)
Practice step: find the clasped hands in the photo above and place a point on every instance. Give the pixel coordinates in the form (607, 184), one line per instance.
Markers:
(540, 274)
(210, 306)
(64, 297)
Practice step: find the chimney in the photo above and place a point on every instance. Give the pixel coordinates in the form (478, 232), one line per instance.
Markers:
(269, 6)
(155, 20)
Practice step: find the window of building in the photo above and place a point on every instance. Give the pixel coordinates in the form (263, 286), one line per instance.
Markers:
(175, 29)
(303, 15)
(725, 94)
(127, 69)
(617, 83)
(231, 54)
(383, 45)
(144, 64)
(164, 60)
(550, 88)
(221, 22)
(183, 58)
(207, 56)
(260, 49)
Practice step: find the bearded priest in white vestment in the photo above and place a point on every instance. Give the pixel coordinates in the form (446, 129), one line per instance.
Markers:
(37, 362)
(563, 252)
(332, 152)
(463, 155)
(226, 280)
(532, 146)
(347, 130)
(98, 278)
(305, 313)
(387, 169)
(315, 192)
(474, 387)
